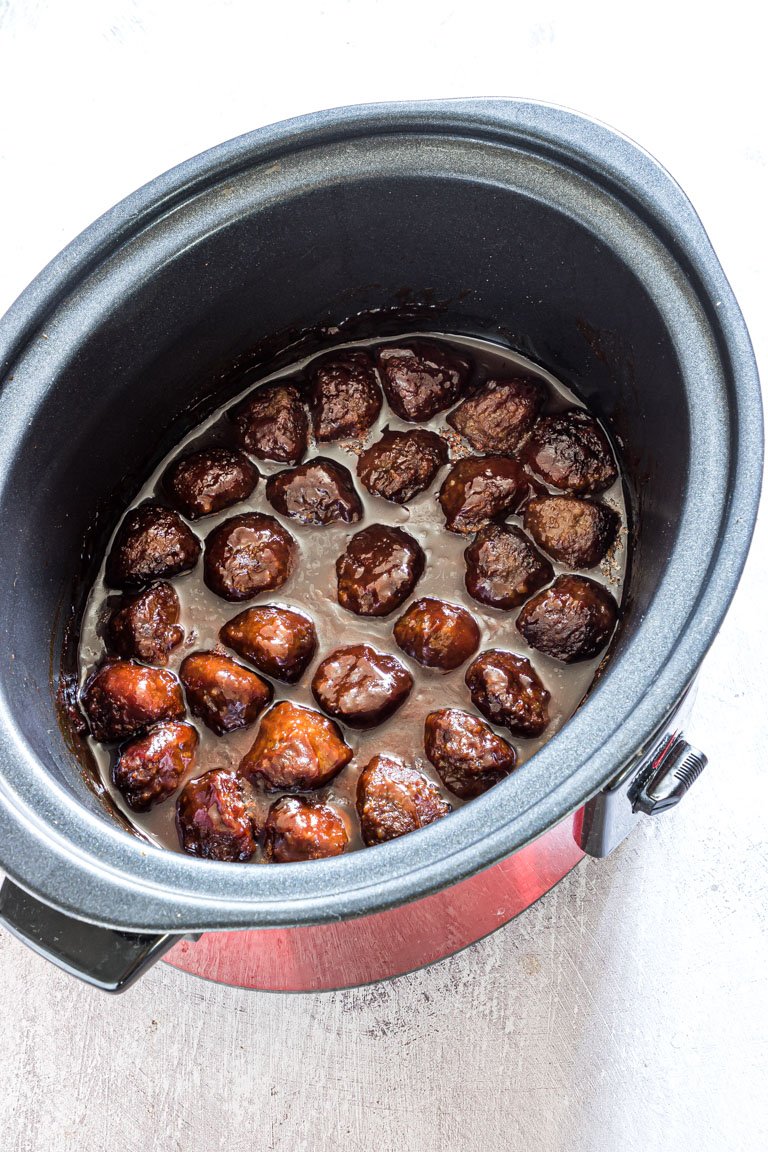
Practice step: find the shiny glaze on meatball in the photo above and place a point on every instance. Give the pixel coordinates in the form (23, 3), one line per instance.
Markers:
(378, 571)
(361, 686)
(466, 753)
(437, 634)
(296, 748)
(393, 799)
(507, 690)
(571, 620)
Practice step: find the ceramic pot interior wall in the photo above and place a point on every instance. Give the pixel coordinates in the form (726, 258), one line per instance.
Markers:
(449, 254)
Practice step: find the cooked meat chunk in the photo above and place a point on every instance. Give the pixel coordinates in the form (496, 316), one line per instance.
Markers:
(122, 699)
(246, 555)
(571, 620)
(151, 767)
(318, 492)
(378, 571)
(152, 543)
(222, 693)
(145, 625)
(393, 799)
(361, 686)
(212, 818)
(271, 423)
(421, 379)
(508, 692)
(503, 567)
(402, 464)
(437, 634)
(499, 417)
(574, 531)
(206, 481)
(571, 451)
(279, 641)
(346, 397)
(467, 755)
(296, 748)
(298, 829)
(481, 488)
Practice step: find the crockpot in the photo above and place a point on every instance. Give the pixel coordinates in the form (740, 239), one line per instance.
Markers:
(517, 222)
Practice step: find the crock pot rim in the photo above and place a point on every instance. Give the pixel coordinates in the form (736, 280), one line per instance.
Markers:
(419, 864)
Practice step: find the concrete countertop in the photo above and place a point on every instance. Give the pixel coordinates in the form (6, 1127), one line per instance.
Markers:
(629, 1008)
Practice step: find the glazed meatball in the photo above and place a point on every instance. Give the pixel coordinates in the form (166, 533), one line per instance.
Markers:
(574, 531)
(212, 818)
(467, 755)
(481, 488)
(402, 464)
(122, 698)
(296, 748)
(503, 567)
(207, 481)
(279, 641)
(318, 492)
(361, 686)
(393, 799)
(499, 417)
(297, 829)
(272, 424)
(508, 692)
(421, 379)
(571, 620)
(437, 634)
(346, 398)
(571, 451)
(152, 543)
(378, 571)
(151, 767)
(222, 693)
(246, 555)
(145, 625)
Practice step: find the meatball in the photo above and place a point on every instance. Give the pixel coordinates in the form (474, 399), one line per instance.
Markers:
(499, 417)
(503, 567)
(207, 481)
(571, 451)
(272, 424)
(222, 693)
(571, 620)
(574, 531)
(508, 692)
(246, 555)
(151, 543)
(402, 464)
(318, 492)
(361, 686)
(151, 767)
(297, 829)
(378, 571)
(481, 488)
(345, 398)
(421, 379)
(467, 755)
(212, 818)
(279, 641)
(437, 634)
(296, 748)
(393, 799)
(122, 698)
(145, 625)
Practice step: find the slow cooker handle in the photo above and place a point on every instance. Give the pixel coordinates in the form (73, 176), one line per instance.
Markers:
(104, 957)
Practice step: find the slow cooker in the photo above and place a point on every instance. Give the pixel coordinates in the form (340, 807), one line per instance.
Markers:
(508, 220)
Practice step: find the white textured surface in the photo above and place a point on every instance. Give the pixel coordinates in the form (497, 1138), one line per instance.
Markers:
(629, 1009)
